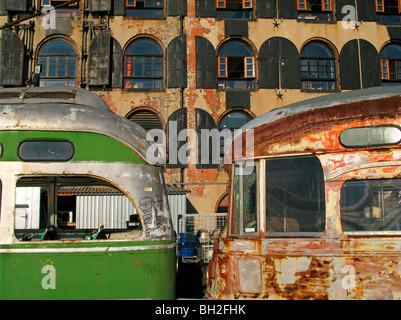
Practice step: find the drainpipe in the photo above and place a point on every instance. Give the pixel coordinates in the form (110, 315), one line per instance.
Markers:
(182, 102)
(359, 45)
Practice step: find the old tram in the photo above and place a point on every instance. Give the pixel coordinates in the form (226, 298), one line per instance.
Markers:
(315, 210)
(84, 215)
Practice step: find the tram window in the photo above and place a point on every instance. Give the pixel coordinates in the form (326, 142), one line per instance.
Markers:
(244, 200)
(73, 208)
(371, 205)
(370, 136)
(295, 197)
(46, 150)
(1, 149)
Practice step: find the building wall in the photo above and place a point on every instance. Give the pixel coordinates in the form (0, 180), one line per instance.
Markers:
(207, 184)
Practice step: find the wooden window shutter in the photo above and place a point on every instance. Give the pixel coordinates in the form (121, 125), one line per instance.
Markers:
(370, 61)
(290, 65)
(385, 69)
(223, 71)
(177, 62)
(278, 54)
(206, 64)
(11, 59)
(349, 66)
(177, 7)
(287, 9)
(208, 148)
(119, 7)
(99, 60)
(205, 8)
(117, 61)
(266, 9)
(249, 66)
(15, 5)
(100, 6)
(178, 121)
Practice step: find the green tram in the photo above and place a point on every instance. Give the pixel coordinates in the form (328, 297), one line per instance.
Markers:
(83, 214)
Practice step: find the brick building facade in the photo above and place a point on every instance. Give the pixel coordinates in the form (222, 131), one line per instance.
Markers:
(203, 63)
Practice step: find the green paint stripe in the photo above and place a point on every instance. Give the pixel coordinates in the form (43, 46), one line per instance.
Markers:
(103, 245)
(88, 146)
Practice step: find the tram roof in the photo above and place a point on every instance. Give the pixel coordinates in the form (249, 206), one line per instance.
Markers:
(67, 109)
(323, 102)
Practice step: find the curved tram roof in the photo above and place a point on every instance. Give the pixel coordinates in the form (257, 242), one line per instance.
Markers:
(281, 130)
(67, 109)
(323, 102)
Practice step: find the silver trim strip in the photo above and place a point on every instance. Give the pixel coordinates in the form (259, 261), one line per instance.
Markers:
(94, 249)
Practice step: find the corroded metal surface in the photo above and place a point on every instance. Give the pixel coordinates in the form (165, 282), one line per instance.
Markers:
(333, 265)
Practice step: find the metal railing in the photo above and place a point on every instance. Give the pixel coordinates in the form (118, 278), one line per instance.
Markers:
(196, 233)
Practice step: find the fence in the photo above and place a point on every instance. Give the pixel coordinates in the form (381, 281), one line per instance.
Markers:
(196, 235)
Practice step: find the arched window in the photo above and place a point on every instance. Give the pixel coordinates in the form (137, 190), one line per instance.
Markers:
(143, 65)
(390, 61)
(58, 60)
(234, 119)
(318, 67)
(236, 65)
(146, 118)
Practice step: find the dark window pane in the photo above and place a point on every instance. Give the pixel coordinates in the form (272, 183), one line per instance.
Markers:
(371, 205)
(46, 150)
(295, 196)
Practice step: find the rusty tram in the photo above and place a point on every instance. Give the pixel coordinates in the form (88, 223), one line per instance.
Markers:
(84, 214)
(315, 210)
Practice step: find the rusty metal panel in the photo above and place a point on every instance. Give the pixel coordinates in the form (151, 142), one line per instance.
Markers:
(335, 264)
(99, 60)
(11, 59)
